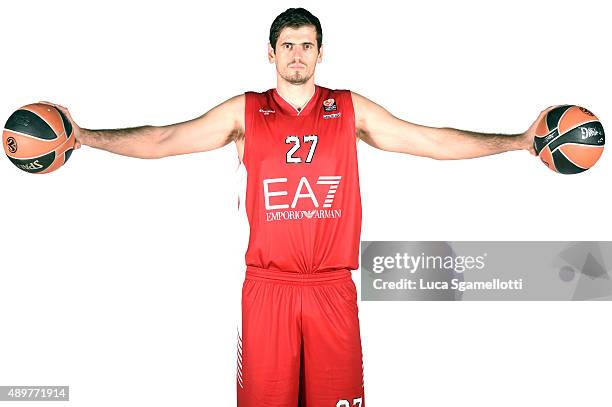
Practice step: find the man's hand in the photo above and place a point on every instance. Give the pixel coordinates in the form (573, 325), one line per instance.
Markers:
(528, 137)
(76, 130)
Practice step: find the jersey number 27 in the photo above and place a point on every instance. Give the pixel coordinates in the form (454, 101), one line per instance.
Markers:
(295, 140)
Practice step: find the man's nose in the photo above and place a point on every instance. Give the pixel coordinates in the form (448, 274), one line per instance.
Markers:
(297, 53)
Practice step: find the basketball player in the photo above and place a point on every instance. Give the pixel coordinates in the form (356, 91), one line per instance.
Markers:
(299, 337)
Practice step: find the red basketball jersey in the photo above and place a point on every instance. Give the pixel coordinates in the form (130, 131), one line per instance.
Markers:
(302, 191)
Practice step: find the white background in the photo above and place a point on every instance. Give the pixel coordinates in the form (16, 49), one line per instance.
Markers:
(118, 275)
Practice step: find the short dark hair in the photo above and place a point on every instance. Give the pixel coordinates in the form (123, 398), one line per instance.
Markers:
(295, 18)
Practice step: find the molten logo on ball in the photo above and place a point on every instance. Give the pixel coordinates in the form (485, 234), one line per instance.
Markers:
(11, 144)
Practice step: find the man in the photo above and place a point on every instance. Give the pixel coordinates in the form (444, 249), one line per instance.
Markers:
(299, 337)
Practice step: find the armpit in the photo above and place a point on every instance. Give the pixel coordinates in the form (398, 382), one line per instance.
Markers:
(237, 134)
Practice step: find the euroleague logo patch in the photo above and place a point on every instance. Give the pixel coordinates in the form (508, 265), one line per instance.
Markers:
(11, 144)
(329, 105)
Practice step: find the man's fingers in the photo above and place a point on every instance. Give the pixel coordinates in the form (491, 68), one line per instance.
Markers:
(548, 109)
(62, 108)
(65, 111)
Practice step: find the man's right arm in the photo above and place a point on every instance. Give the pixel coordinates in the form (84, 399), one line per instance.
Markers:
(214, 129)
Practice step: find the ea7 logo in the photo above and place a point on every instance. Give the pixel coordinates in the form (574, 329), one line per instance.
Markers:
(303, 191)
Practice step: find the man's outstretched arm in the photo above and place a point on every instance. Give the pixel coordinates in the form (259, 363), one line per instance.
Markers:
(380, 129)
(214, 129)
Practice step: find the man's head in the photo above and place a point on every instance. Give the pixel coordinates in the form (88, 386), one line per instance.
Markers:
(295, 45)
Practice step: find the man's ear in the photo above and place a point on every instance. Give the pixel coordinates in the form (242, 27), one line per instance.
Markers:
(270, 54)
(320, 57)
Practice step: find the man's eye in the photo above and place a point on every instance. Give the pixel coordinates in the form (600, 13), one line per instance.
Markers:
(287, 46)
(306, 46)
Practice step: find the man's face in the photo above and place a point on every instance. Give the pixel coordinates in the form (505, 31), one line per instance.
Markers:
(296, 54)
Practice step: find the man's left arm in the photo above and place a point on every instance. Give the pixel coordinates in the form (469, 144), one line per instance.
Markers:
(380, 129)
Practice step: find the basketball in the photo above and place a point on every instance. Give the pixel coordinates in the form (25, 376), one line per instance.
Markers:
(569, 139)
(38, 138)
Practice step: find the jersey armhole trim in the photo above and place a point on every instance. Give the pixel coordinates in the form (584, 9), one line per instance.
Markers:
(248, 124)
(349, 103)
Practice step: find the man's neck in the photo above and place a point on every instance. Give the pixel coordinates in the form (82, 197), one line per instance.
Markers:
(297, 95)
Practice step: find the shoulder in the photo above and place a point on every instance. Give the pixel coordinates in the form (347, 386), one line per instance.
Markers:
(363, 107)
(239, 102)
(235, 103)
(366, 107)
(328, 92)
(257, 95)
(231, 108)
(360, 101)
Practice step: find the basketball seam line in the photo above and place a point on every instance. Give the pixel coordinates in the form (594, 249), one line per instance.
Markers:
(573, 128)
(62, 120)
(568, 159)
(578, 125)
(38, 156)
(34, 137)
(576, 144)
(563, 114)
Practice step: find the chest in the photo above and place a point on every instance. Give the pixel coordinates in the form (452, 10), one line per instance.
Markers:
(299, 140)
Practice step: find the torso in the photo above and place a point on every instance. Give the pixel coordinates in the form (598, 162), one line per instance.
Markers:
(302, 184)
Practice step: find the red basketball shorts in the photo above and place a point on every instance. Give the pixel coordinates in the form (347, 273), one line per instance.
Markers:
(300, 343)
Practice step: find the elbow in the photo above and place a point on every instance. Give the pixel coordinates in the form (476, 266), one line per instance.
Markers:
(439, 149)
(159, 146)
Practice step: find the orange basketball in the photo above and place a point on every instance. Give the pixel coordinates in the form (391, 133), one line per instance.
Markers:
(569, 139)
(38, 138)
